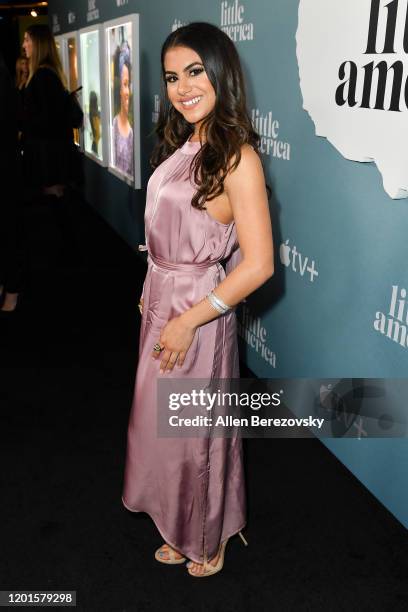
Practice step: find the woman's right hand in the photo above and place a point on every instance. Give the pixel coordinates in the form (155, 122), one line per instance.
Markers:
(141, 305)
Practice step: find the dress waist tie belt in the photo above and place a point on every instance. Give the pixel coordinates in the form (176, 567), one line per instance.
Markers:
(194, 268)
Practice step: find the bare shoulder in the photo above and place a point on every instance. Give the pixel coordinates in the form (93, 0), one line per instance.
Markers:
(249, 166)
(248, 156)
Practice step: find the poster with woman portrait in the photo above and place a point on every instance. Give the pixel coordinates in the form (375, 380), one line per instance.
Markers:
(122, 52)
(91, 76)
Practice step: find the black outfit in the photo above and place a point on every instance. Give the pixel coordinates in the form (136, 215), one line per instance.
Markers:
(11, 236)
(49, 150)
(50, 156)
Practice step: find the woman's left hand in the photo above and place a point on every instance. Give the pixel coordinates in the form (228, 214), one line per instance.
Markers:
(176, 337)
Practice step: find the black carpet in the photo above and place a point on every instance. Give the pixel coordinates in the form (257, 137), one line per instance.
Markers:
(318, 540)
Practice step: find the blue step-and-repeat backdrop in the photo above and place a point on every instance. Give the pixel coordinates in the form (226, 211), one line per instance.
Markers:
(328, 93)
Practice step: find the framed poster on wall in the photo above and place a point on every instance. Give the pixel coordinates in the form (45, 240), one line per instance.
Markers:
(92, 77)
(60, 48)
(123, 96)
(69, 50)
(72, 60)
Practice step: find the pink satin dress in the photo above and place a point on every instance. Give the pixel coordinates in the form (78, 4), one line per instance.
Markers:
(193, 488)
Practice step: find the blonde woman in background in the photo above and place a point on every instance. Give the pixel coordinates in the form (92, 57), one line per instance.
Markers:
(50, 164)
(22, 72)
(48, 142)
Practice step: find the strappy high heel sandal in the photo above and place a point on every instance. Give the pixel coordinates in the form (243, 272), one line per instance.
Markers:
(213, 569)
(172, 557)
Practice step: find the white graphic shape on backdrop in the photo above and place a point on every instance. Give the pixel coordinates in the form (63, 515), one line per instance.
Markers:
(332, 34)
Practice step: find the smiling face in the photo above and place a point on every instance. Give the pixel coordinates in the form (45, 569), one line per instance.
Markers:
(188, 86)
(124, 89)
(28, 45)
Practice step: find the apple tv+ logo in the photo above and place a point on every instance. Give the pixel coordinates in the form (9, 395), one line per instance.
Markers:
(298, 263)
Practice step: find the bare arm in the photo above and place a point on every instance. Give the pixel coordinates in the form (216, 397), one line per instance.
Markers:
(246, 191)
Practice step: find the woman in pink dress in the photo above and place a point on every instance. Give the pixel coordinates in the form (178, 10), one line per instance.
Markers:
(206, 204)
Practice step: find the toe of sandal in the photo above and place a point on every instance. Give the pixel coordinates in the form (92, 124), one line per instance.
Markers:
(172, 560)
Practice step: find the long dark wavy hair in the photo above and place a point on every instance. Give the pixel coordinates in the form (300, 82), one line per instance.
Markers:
(226, 128)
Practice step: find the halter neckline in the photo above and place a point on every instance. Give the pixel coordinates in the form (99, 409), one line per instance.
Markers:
(190, 147)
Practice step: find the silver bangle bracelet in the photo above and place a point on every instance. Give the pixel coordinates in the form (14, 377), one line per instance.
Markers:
(214, 304)
(217, 303)
(220, 302)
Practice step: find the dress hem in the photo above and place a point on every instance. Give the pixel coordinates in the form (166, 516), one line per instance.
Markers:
(161, 531)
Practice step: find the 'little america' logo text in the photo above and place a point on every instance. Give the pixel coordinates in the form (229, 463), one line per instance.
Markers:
(155, 113)
(177, 23)
(55, 25)
(394, 325)
(93, 11)
(232, 22)
(254, 334)
(268, 129)
(291, 257)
